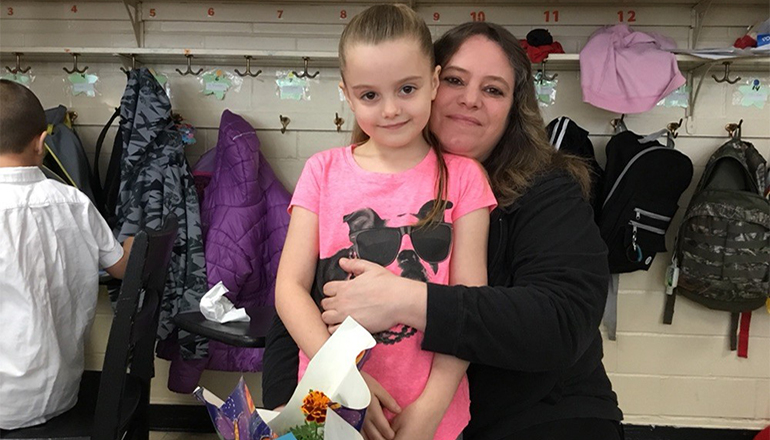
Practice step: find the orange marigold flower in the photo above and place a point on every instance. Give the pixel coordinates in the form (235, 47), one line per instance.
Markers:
(314, 406)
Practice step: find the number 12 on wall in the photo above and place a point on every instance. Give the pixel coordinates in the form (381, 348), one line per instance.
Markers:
(630, 16)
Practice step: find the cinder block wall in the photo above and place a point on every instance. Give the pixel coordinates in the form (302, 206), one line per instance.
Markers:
(682, 375)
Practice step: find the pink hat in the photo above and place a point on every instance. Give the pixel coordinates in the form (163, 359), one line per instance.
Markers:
(624, 71)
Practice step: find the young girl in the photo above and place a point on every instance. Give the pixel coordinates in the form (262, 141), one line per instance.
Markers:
(362, 200)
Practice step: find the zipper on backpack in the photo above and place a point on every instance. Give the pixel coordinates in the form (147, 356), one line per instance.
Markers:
(647, 227)
(651, 215)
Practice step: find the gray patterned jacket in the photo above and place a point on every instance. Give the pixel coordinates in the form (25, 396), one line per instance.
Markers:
(155, 181)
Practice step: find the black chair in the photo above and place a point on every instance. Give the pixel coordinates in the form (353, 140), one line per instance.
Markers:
(117, 408)
(239, 334)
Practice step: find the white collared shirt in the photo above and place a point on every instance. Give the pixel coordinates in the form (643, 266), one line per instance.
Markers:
(52, 242)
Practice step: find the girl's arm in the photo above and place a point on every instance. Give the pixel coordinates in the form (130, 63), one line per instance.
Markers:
(296, 272)
(468, 266)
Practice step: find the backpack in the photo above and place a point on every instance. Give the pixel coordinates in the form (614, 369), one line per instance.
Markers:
(640, 194)
(567, 136)
(65, 156)
(722, 255)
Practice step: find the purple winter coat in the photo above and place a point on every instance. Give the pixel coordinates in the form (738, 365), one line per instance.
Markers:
(244, 219)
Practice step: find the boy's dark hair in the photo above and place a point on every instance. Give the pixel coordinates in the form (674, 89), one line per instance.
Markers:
(22, 117)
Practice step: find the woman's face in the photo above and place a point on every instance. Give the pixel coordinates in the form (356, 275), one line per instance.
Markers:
(474, 98)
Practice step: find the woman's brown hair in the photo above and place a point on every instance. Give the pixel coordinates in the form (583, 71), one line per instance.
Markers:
(381, 23)
(523, 152)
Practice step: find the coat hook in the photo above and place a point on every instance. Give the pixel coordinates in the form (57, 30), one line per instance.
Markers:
(133, 65)
(18, 68)
(338, 121)
(726, 75)
(672, 128)
(734, 130)
(75, 66)
(189, 70)
(305, 73)
(284, 122)
(619, 124)
(73, 115)
(543, 76)
(248, 69)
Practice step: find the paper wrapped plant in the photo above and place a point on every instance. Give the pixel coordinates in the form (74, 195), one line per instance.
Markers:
(329, 403)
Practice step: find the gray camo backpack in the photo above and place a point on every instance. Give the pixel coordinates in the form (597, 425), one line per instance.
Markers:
(722, 253)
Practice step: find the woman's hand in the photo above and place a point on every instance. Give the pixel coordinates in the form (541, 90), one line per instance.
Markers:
(376, 426)
(375, 297)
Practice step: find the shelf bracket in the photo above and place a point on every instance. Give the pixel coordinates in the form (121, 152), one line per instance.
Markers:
(699, 72)
(699, 10)
(134, 10)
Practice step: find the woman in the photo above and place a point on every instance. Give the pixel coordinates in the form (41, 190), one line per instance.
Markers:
(532, 336)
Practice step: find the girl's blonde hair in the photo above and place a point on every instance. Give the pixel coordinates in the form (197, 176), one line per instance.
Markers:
(379, 24)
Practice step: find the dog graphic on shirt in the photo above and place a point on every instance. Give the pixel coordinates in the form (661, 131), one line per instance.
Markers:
(372, 239)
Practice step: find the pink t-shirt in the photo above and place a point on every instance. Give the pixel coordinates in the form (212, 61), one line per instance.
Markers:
(366, 215)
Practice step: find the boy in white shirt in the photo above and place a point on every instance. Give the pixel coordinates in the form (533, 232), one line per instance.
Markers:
(52, 242)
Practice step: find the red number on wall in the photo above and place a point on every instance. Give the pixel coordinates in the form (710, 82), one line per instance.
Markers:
(152, 12)
(343, 14)
(74, 9)
(478, 16)
(436, 16)
(549, 14)
(280, 13)
(631, 16)
(211, 12)
(10, 11)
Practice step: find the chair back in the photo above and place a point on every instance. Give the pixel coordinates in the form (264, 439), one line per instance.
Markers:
(131, 344)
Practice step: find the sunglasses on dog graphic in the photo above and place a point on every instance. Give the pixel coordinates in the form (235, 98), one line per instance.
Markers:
(381, 245)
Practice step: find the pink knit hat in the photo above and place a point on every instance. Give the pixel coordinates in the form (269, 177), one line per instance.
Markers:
(624, 71)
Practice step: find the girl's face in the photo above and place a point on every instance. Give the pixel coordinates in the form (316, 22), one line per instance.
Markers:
(390, 87)
(471, 109)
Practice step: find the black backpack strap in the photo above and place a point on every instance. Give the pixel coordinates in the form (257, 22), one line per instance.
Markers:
(668, 313)
(97, 179)
(106, 194)
(734, 319)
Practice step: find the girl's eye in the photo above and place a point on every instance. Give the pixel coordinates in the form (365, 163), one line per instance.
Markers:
(453, 80)
(408, 90)
(368, 96)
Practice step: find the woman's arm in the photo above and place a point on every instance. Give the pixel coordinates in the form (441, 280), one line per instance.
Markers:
(543, 319)
(296, 272)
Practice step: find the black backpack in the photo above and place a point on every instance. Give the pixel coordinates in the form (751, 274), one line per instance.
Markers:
(722, 255)
(639, 196)
(567, 136)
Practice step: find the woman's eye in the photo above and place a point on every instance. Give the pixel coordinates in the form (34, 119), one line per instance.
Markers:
(494, 91)
(452, 80)
(408, 90)
(368, 96)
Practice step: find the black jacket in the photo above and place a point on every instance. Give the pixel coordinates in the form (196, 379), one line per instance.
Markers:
(532, 336)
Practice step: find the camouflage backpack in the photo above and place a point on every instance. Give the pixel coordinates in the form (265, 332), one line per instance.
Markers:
(722, 253)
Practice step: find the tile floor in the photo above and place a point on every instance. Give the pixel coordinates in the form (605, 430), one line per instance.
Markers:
(158, 435)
